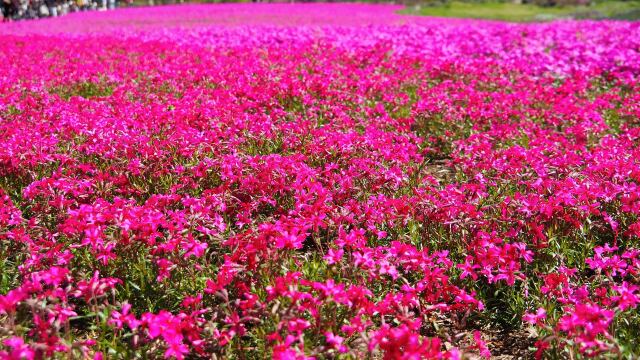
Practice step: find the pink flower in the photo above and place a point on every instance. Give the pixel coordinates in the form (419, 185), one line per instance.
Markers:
(335, 342)
(18, 350)
(536, 318)
(333, 256)
(481, 345)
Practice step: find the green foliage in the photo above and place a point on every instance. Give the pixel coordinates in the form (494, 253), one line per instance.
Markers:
(507, 11)
(86, 89)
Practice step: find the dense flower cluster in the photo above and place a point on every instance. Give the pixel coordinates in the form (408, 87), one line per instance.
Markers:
(250, 181)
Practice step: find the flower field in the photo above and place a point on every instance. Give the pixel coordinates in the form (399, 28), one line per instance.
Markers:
(318, 181)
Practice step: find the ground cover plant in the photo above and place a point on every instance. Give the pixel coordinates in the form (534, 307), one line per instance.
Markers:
(318, 181)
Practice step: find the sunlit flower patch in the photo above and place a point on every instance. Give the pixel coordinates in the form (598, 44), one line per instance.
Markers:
(318, 181)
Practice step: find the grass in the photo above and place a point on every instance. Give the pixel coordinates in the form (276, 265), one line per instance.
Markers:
(85, 89)
(628, 10)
